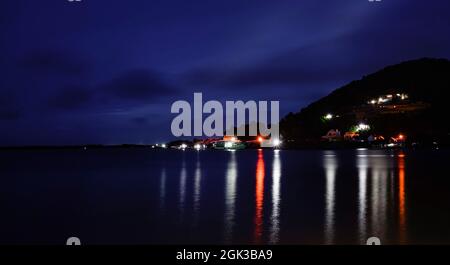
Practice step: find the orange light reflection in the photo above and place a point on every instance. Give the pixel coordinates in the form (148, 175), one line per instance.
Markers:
(401, 197)
(260, 172)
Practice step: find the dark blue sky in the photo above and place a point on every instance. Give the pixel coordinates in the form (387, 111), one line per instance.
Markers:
(108, 71)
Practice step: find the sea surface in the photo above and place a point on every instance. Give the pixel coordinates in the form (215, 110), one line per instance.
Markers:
(147, 196)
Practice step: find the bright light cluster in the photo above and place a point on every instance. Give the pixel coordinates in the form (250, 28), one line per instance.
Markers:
(276, 142)
(362, 127)
(228, 144)
(388, 98)
(329, 116)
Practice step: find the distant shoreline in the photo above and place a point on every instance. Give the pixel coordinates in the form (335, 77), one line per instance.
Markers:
(147, 146)
(88, 146)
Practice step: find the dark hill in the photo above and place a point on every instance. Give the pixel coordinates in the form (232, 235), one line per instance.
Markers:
(422, 114)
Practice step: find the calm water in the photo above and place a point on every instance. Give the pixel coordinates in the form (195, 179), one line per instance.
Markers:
(131, 196)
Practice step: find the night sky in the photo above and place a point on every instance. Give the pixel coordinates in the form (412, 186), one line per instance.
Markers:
(107, 72)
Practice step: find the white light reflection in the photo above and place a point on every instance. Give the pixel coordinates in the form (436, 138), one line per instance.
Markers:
(230, 196)
(197, 188)
(276, 176)
(379, 169)
(330, 165)
(162, 189)
(363, 165)
(183, 176)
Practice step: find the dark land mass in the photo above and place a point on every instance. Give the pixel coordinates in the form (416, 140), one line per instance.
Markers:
(418, 107)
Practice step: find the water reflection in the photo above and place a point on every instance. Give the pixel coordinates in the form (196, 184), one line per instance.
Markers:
(382, 190)
(401, 198)
(183, 177)
(276, 176)
(260, 172)
(230, 196)
(197, 188)
(162, 189)
(209, 185)
(330, 165)
(362, 164)
(380, 186)
(379, 170)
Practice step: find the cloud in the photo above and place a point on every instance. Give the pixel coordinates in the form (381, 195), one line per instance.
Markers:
(138, 85)
(69, 98)
(130, 89)
(347, 55)
(139, 120)
(9, 108)
(53, 62)
(303, 65)
(9, 114)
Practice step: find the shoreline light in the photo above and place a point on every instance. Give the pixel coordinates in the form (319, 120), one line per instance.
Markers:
(228, 145)
(362, 127)
(276, 142)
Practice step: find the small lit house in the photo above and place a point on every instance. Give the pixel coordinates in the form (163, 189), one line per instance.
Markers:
(332, 135)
